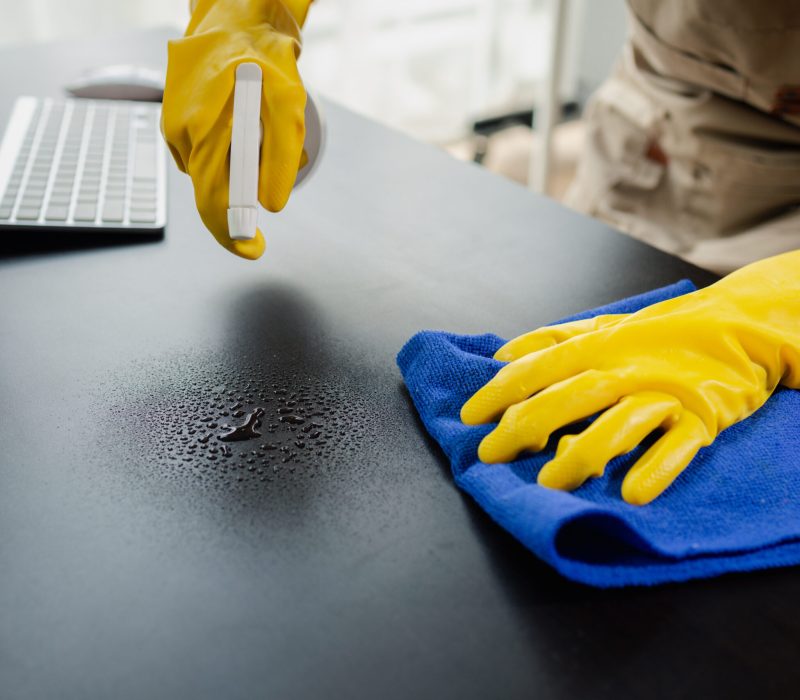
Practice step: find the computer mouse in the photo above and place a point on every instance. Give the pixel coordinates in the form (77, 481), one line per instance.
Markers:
(120, 82)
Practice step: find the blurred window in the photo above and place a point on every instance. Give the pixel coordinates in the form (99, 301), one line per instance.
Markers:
(428, 67)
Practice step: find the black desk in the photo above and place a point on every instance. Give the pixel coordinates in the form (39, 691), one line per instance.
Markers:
(360, 572)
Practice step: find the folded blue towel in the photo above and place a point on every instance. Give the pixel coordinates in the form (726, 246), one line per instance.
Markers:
(735, 508)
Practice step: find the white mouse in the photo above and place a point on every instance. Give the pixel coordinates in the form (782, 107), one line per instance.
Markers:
(122, 82)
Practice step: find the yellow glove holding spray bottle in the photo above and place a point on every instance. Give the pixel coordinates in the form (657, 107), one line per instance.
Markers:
(198, 103)
(690, 367)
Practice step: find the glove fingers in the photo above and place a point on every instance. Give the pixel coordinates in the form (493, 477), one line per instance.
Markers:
(521, 379)
(664, 461)
(553, 335)
(529, 424)
(249, 250)
(617, 431)
(283, 115)
(211, 197)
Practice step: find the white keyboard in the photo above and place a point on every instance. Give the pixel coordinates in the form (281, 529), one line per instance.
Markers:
(97, 165)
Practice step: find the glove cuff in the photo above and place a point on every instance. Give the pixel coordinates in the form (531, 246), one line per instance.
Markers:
(299, 9)
(283, 17)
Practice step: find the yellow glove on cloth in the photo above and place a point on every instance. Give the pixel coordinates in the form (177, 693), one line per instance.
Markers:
(197, 112)
(691, 366)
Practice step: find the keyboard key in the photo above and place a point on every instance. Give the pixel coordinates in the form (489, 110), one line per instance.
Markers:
(145, 162)
(143, 216)
(56, 213)
(85, 212)
(113, 210)
(5, 212)
(28, 213)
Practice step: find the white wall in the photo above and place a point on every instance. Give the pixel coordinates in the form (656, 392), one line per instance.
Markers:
(42, 20)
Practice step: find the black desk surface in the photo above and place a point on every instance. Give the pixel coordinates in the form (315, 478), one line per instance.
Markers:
(357, 572)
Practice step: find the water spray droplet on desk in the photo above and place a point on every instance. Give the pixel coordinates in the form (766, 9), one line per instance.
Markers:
(312, 425)
(247, 431)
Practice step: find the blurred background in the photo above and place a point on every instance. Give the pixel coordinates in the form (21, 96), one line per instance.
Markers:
(471, 76)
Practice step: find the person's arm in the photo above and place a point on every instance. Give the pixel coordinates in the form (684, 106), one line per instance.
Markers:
(198, 99)
(690, 367)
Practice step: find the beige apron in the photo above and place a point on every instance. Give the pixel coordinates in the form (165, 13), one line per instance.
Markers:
(693, 143)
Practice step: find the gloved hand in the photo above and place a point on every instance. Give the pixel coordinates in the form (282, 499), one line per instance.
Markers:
(691, 366)
(197, 111)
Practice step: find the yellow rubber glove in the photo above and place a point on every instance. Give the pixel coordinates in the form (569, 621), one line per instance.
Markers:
(690, 366)
(197, 112)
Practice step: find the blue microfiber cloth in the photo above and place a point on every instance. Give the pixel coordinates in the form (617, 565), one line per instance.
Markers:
(735, 508)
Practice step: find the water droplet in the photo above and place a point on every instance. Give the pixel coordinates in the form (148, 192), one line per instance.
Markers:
(247, 431)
